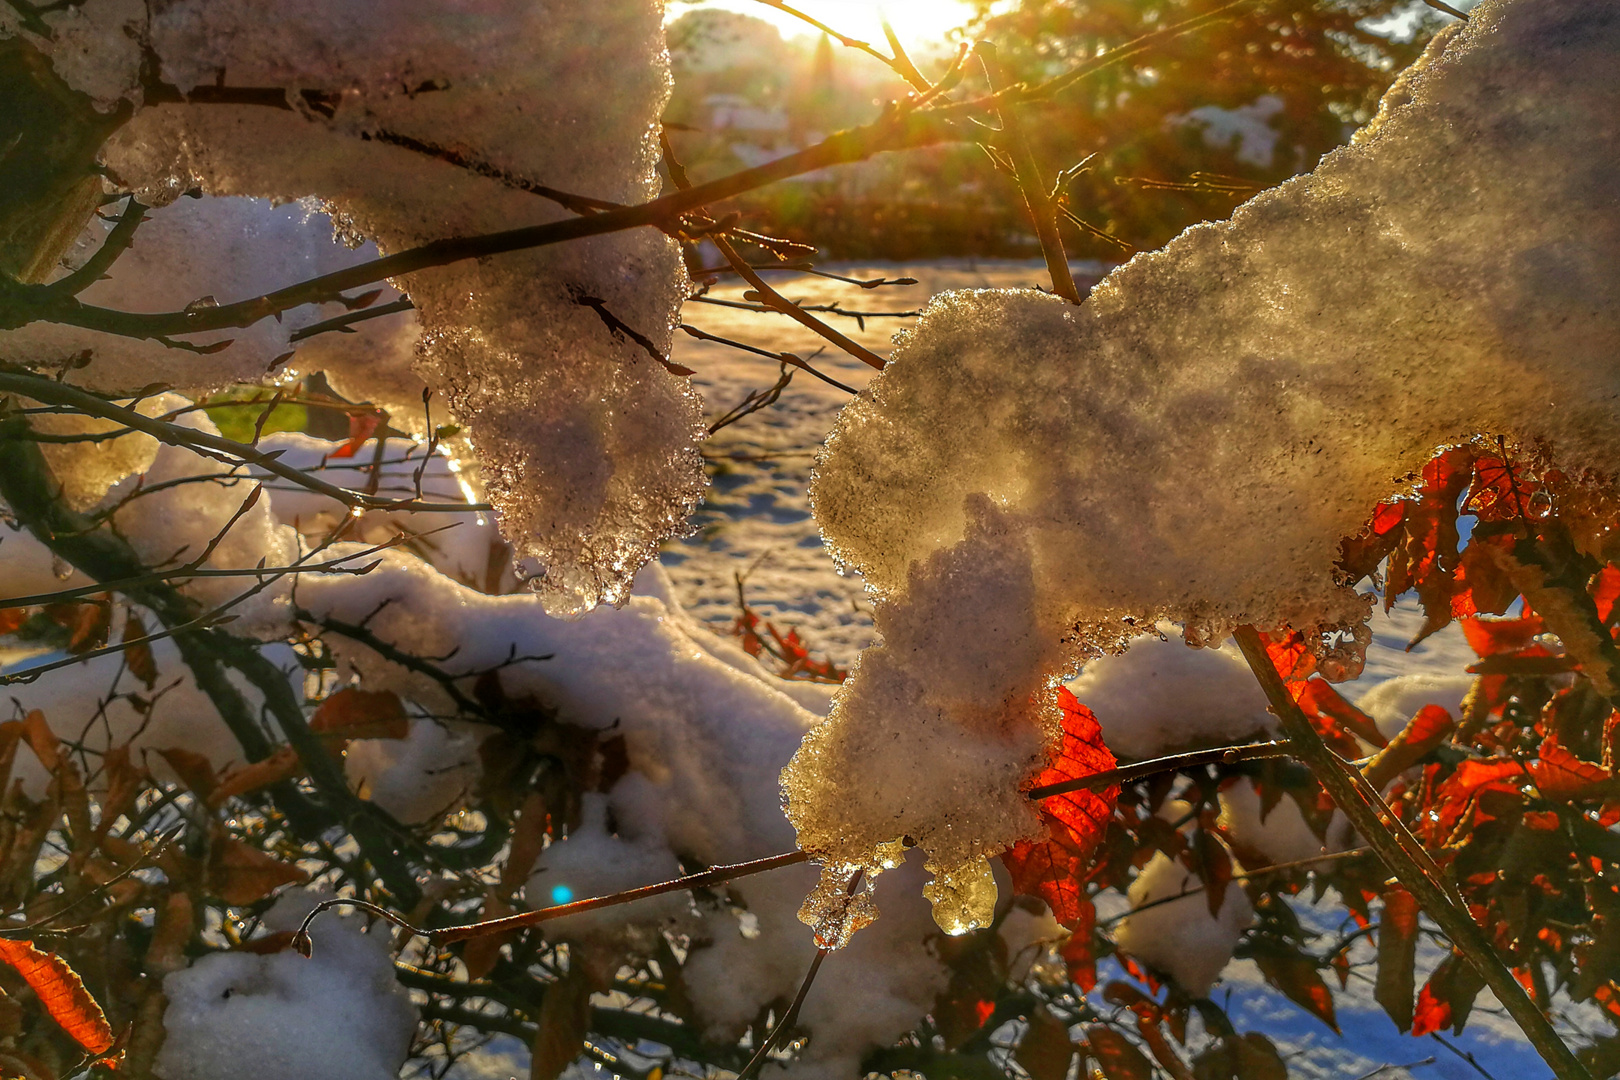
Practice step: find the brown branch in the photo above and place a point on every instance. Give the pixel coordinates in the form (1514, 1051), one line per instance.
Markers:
(895, 130)
(1041, 202)
(1334, 774)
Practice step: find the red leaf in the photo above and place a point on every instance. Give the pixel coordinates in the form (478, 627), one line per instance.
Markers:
(1431, 1013)
(1431, 724)
(1487, 637)
(1292, 657)
(1500, 492)
(1046, 1049)
(1052, 869)
(1077, 952)
(362, 426)
(1559, 774)
(61, 993)
(1330, 712)
(1116, 1056)
(1397, 954)
(1447, 997)
(1297, 976)
(1605, 591)
(361, 714)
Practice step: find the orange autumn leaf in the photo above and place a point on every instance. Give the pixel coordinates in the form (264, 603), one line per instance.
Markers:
(138, 652)
(1052, 869)
(194, 770)
(362, 426)
(1559, 774)
(283, 764)
(240, 874)
(61, 992)
(361, 714)
(1328, 710)
(1488, 637)
(1291, 655)
(1431, 1013)
(1605, 588)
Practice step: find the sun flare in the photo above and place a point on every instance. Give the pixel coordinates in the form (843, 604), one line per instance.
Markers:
(918, 23)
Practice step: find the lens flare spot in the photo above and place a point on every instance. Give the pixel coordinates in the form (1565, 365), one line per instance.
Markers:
(561, 894)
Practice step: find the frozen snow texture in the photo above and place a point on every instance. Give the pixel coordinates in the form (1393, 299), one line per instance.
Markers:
(1160, 697)
(410, 122)
(706, 732)
(1180, 937)
(340, 1015)
(1028, 481)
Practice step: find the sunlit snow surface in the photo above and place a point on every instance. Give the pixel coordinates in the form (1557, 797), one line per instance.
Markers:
(756, 521)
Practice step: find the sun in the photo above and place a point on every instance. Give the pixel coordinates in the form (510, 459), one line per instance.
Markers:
(920, 24)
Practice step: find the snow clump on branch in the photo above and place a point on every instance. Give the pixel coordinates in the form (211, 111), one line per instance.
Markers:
(1029, 482)
(408, 122)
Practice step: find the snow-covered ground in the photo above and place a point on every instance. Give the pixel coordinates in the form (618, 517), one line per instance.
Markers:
(756, 522)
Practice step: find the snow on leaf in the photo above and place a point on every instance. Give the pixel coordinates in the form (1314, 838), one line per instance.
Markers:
(61, 993)
(1052, 869)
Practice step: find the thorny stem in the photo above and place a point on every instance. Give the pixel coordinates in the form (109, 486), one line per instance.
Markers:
(52, 392)
(1334, 774)
(1041, 202)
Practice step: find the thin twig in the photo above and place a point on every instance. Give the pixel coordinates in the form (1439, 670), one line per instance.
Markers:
(331, 566)
(785, 357)
(49, 390)
(1041, 202)
(116, 243)
(1125, 774)
(446, 935)
(769, 296)
(787, 1021)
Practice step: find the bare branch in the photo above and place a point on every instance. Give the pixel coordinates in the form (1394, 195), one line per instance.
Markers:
(49, 390)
